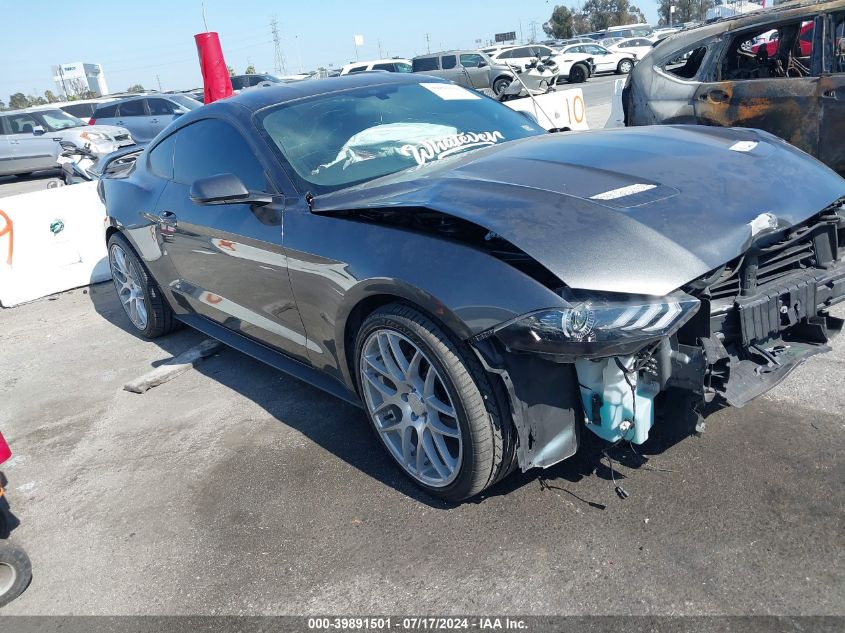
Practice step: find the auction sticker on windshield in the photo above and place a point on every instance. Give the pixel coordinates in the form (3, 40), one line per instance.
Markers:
(451, 92)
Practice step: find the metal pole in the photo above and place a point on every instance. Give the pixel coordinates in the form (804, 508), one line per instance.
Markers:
(204, 20)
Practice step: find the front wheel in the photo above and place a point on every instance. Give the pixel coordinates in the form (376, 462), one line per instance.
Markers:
(431, 404)
(578, 74)
(625, 66)
(15, 572)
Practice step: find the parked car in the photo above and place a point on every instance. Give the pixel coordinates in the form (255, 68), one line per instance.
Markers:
(31, 139)
(710, 76)
(637, 47)
(473, 69)
(573, 66)
(82, 108)
(145, 116)
(239, 82)
(771, 41)
(485, 291)
(604, 60)
(395, 65)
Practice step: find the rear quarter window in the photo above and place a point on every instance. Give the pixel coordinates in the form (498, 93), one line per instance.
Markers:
(686, 65)
(160, 158)
(423, 64)
(80, 110)
(106, 111)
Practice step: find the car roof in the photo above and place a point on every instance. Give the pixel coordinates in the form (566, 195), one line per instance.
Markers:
(284, 93)
(693, 34)
(38, 108)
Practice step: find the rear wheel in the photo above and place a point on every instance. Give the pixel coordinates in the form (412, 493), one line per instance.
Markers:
(431, 404)
(624, 67)
(500, 84)
(15, 572)
(578, 74)
(139, 294)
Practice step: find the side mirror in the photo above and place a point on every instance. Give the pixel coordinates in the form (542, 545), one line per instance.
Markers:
(481, 64)
(178, 112)
(38, 130)
(225, 189)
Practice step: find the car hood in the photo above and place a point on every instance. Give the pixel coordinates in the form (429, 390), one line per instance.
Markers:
(641, 210)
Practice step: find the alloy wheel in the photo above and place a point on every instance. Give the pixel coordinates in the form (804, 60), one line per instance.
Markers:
(127, 282)
(411, 408)
(625, 66)
(8, 576)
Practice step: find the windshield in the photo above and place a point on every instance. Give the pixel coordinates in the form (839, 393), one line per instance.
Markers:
(345, 138)
(57, 119)
(185, 102)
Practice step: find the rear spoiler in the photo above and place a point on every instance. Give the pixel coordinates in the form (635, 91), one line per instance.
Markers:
(117, 162)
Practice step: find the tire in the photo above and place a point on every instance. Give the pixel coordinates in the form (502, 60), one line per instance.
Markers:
(500, 84)
(159, 316)
(15, 572)
(625, 66)
(482, 454)
(578, 74)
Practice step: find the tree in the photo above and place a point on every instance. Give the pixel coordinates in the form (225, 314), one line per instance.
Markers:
(135, 88)
(231, 71)
(250, 70)
(2, 106)
(685, 10)
(604, 13)
(36, 100)
(18, 100)
(561, 24)
(50, 97)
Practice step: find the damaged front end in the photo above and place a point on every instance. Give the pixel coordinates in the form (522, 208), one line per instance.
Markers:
(729, 336)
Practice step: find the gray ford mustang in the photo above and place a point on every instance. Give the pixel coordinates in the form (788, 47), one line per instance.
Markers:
(483, 290)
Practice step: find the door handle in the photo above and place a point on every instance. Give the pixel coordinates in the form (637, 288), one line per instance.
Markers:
(717, 96)
(153, 120)
(167, 217)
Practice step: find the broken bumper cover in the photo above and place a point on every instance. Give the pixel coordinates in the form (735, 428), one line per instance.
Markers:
(613, 394)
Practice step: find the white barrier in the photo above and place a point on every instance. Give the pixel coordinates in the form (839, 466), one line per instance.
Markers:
(559, 110)
(50, 241)
(617, 114)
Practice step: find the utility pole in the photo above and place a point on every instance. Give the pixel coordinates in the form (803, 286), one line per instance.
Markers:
(428, 42)
(159, 83)
(533, 25)
(379, 49)
(278, 58)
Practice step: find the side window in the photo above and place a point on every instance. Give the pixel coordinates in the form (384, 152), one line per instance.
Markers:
(471, 60)
(22, 124)
(357, 69)
(422, 64)
(839, 44)
(402, 67)
(132, 108)
(576, 49)
(4, 125)
(161, 158)
(448, 61)
(388, 67)
(198, 155)
(782, 51)
(160, 106)
(687, 64)
(106, 112)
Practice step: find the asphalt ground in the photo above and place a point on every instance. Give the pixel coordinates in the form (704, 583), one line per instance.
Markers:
(234, 489)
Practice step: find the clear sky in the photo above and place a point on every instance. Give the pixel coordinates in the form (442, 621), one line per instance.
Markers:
(151, 40)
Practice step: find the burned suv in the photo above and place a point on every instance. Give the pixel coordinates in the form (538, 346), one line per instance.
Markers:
(781, 70)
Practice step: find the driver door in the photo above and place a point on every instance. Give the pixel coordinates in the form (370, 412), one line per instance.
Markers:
(750, 94)
(228, 259)
(476, 69)
(30, 151)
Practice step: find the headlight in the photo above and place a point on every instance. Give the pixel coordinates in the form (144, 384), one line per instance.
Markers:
(598, 324)
(94, 136)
